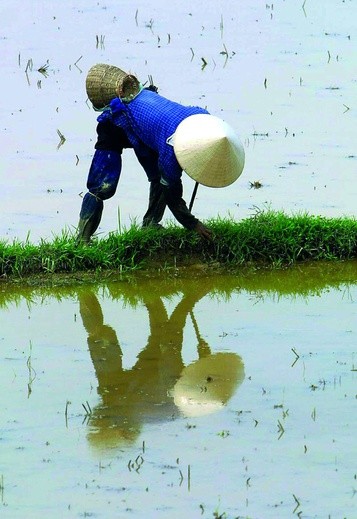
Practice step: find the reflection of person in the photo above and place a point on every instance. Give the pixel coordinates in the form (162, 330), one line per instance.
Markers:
(147, 391)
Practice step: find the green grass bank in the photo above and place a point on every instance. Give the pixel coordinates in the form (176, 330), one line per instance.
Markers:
(268, 238)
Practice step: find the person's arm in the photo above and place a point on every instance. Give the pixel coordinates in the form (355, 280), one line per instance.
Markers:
(111, 137)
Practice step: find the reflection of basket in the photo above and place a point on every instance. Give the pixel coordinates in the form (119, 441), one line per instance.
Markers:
(103, 82)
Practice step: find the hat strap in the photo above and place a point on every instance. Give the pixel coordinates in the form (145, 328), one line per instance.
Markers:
(170, 139)
(107, 107)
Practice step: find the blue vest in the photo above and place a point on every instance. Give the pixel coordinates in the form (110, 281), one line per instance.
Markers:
(149, 120)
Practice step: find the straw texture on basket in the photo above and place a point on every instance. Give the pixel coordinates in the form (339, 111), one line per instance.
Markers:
(103, 82)
(209, 150)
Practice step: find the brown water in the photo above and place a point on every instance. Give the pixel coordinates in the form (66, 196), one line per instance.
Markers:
(287, 83)
(181, 397)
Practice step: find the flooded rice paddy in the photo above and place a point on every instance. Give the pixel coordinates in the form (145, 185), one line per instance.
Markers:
(281, 73)
(231, 395)
(222, 396)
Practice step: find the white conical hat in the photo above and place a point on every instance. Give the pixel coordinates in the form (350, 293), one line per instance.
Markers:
(209, 150)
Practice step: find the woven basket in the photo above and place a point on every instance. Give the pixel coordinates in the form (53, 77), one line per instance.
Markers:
(102, 84)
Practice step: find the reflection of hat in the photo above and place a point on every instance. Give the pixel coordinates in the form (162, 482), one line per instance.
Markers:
(207, 384)
(103, 82)
(209, 150)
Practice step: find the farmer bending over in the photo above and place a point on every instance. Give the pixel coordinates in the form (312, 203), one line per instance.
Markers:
(114, 134)
(142, 119)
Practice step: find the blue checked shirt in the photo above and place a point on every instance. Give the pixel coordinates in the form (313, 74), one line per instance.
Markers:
(149, 120)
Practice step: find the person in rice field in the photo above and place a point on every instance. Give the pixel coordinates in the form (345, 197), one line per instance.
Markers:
(141, 119)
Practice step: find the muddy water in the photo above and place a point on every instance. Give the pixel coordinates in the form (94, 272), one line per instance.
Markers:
(181, 397)
(281, 74)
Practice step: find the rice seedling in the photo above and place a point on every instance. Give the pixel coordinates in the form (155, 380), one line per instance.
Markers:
(44, 69)
(62, 139)
(221, 26)
(100, 41)
(76, 64)
(88, 410)
(150, 24)
(29, 65)
(32, 373)
(281, 429)
(136, 464)
(224, 52)
(224, 433)
(262, 134)
(313, 414)
(303, 8)
(181, 477)
(297, 502)
(297, 356)
(256, 184)
(66, 412)
(2, 487)
(28, 68)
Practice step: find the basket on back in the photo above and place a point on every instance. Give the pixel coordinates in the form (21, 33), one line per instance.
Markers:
(104, 82)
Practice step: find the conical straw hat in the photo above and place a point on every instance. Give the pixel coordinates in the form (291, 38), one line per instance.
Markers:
(209, 150)
(104, 81)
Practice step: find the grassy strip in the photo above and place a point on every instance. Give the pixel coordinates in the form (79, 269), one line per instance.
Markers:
(268, 237)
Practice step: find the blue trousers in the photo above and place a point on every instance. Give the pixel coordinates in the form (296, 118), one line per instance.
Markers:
(103, 178)
(102, 182)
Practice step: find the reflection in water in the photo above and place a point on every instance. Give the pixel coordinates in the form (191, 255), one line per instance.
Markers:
(158, 386)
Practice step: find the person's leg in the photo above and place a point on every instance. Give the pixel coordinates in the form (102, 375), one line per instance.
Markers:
(103, 177)
(102, 182)
(157, 203)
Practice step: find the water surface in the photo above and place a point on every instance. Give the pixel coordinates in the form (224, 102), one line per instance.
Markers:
(181, 397)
